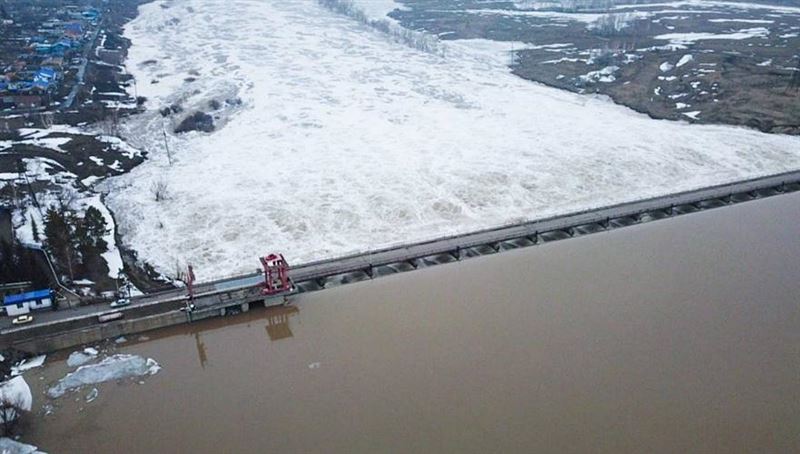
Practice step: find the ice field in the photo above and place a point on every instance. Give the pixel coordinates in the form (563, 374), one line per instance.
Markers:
(346, 140)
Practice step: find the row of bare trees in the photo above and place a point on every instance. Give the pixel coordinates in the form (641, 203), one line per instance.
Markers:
(416, 40)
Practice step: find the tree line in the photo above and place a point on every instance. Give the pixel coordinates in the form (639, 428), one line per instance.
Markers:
(74, 242)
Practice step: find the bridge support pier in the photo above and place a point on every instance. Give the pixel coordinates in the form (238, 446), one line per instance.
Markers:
(245, 307)
(370, 271)
(456, 253)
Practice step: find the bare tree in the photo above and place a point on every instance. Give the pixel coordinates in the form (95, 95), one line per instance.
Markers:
(65, 199)
(417, 40)
(160, 190)
(11, 415)
(46, 120)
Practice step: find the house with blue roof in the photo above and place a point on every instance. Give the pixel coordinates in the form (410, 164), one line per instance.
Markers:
(91, 14)
(44, 78)
(24, 303)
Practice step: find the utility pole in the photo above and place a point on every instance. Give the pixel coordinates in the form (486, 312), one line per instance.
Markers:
(166, 145)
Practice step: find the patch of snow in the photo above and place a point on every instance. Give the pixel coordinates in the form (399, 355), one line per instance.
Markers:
(114, 367)
(789, 35)
(765, 63)
(112, 255)
(680, 105)
(550, 46)
(17, 392)
(690, 38)
(744, 21)
(563, 59)
(28, 364)
(120, 145)
(710, 4)
(684, 60)
(693, 115)
(605, 75)
(90, 181)
(52, 143)
(666, 66)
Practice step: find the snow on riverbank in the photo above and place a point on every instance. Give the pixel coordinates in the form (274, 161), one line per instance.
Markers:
(17, 392)
(28, 364)
(114, 367)
(348, 141)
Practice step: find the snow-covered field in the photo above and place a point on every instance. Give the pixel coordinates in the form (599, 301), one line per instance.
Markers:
(349, 141)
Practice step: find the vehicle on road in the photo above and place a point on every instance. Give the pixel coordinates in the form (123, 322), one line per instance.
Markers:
(22, 319)
(110, 317)
(122, 302)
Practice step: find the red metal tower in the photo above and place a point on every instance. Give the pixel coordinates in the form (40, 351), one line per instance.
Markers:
(276, 275)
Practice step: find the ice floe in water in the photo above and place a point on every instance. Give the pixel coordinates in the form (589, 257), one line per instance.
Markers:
(80, 358)
(114, 367)
(9, 446)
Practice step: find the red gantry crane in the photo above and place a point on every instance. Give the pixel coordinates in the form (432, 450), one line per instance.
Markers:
(276, 275)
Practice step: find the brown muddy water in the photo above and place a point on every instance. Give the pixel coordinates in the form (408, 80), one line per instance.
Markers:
(680, 335)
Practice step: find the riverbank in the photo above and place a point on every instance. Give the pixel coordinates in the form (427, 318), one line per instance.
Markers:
(669, 336)
(712, 63)
(59, 159)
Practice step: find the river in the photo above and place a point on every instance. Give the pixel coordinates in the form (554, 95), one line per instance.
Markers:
(681, 335)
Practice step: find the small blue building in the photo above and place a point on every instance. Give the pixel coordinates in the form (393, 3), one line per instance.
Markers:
(23, 303)
(44, 78)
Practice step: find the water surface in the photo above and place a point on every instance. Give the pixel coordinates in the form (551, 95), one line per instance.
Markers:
(680, 335)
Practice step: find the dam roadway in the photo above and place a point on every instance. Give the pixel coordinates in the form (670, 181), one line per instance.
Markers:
(66, 328)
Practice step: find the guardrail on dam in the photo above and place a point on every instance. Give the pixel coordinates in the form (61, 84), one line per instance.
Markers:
(215, 298)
